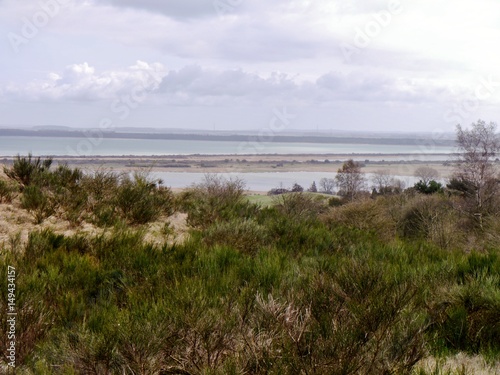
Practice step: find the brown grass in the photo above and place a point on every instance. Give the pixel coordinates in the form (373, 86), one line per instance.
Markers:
(461, 364)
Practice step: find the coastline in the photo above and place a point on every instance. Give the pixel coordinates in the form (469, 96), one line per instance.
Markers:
(395, 164)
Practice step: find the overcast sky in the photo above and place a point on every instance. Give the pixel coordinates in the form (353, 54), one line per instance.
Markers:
(233, 64)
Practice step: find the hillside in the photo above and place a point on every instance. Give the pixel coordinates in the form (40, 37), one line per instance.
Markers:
(118, 274)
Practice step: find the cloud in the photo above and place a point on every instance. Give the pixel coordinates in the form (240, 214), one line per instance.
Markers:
(194, 85)
(80, 82)
(182, 10)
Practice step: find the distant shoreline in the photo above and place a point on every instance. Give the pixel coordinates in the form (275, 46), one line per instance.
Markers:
(399, 164)
(403, 140)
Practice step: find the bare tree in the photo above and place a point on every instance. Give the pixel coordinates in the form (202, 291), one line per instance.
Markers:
(327, 185)
(384, 183)
(426, 174)
(478, 147)
(350, 180)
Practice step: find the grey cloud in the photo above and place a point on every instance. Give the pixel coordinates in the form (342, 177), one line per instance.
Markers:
(184, 9)
(195, 84)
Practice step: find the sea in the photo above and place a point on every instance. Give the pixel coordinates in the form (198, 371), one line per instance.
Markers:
(95, 147)
(67, 146)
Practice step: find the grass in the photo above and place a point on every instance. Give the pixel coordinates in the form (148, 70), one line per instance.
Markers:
(294, 286)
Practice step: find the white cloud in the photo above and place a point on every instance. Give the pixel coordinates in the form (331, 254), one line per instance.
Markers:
(80, 82)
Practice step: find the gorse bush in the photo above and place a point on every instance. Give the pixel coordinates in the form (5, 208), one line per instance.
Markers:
(296, 287)
(216, 199)
(38, 201)
(140, 200)
(7, 191)
(103, 197)
(242, 234)
(27, 170)
(233, 299)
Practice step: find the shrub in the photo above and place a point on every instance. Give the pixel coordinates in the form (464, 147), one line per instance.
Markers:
(242, 234)
(7, 191)
(367, 215)
(430, 187)
(216, 199)
(38, 202)
(26, 170)
(365, 321)
(141, 201)
(468, 315)
(431, 218)
(299, 206)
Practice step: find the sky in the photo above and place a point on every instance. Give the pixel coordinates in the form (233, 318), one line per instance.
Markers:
(268, 65)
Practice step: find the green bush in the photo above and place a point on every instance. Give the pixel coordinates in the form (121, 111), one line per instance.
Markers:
(432, 218)
(38, 202)
(140, 200)
(27, 170)
(7, 191)
(242, 234)
(216, 199)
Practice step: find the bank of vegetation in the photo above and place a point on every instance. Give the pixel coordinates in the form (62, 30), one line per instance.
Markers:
(364, 284)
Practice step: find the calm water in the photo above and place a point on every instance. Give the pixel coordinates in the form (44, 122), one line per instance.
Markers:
(10, 146)
(261, 181)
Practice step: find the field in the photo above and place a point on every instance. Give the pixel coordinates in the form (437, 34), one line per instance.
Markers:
(119, 275)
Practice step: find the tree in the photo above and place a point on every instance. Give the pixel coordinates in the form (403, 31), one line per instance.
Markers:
(426, 174)
(313, 188)
(296, 188)
(350, 180)
(429, 187)
(327, 185)
(478, 147)
(384, 183)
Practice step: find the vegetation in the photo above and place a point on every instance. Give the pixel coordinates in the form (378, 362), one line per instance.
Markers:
(305, 284)
(350, 180)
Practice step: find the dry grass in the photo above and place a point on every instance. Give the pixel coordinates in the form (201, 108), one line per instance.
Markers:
(16, 224)
(460, 364)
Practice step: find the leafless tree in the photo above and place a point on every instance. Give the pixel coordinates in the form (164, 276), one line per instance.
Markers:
(478, 146)
(426, 174)
(350, 180)
(385, 183)
(327, 185)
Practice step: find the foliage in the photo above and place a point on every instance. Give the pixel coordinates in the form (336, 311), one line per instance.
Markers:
(216, 199)
(350, 180)
(7, 191)
(429, 187)
(303, 285)
(478, 147)
(38, 202)
(26, 170)
(140, 200)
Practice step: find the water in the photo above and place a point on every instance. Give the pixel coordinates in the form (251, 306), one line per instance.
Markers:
(66, 146)
(41, 146)
(263, 181)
